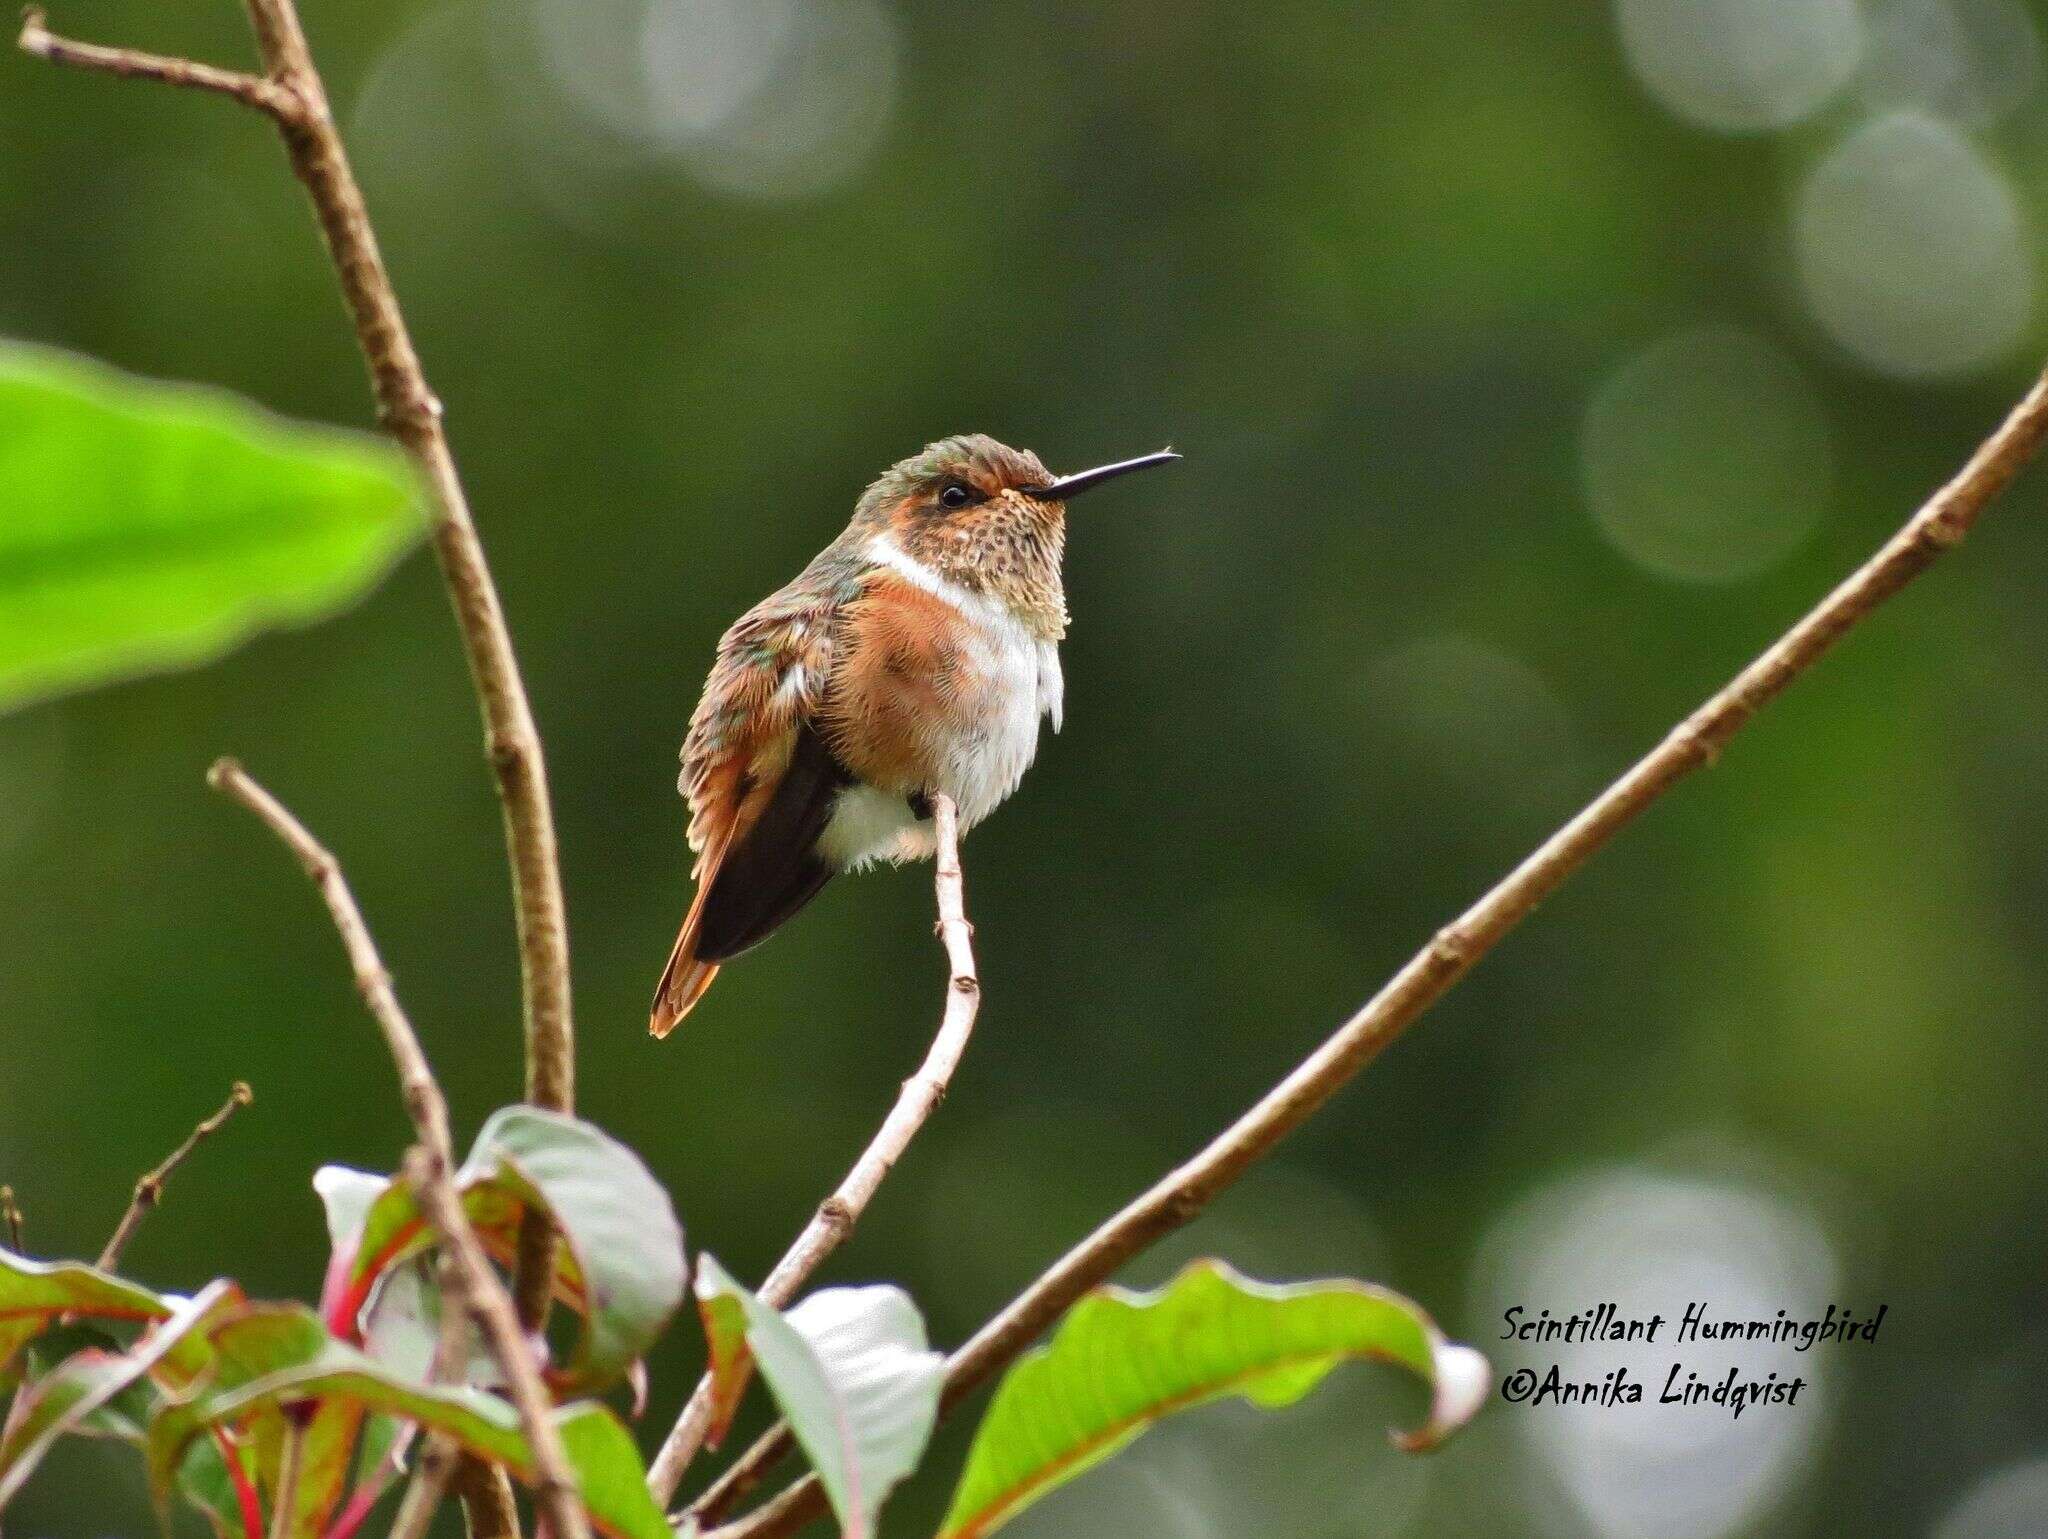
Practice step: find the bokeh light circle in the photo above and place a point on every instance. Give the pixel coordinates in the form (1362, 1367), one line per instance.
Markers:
(1741, 65)
(1912, 251)
(1649, 1241)
(1968, 61)
(2011, 1503)
(1706, 457)
(770, 99)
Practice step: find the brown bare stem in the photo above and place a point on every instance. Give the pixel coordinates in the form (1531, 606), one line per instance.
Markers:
(1939, 525)
(290, 92)
(430, 1167)
(265, 96)
(918, 1099)
(422, 1498)
(149, 1187)
(424, 1103)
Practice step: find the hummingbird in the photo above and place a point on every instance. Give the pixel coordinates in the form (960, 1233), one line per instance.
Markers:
(916, 655)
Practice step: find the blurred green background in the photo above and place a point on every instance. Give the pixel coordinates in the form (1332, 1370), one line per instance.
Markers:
(1534, 366)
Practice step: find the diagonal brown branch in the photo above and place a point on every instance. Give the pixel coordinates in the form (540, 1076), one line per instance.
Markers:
(836, 1216)
(149, 1187)
(291, 93)
(431, 1165)
(1939, 525)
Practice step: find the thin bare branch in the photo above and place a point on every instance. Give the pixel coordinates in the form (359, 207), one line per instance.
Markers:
(430, 1166)
(410, 410)
(424, 1103)
(265, 96)
(292, 93)
(1939, 525)
(149, 1187)
(10, 1214)
(919, 1098)
(491, 1307)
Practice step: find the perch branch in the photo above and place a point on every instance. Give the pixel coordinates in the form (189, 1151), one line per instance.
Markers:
(918, 1099)
(149, 1187)
(430, 1166)
(291, 93)
(1940, 524)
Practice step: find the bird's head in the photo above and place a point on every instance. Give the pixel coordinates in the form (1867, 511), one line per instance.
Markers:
(976, 510)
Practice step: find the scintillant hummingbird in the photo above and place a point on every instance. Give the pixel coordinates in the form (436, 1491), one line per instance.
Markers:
(915, 655)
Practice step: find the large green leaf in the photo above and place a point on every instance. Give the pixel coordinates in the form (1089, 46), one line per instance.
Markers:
(1120, 1361)
(852, 1372)
(33, 1294)
(622, 1264)
(146, 526)
(280, 1356)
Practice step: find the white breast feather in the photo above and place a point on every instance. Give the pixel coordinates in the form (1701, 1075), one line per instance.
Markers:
(979, 767)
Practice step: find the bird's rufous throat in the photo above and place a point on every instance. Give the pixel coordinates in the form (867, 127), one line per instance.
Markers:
(916, 655)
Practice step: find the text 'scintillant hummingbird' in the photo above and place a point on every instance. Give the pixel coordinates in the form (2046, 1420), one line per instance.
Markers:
(915, 656)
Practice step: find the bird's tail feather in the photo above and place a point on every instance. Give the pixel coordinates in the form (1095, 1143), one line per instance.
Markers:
(686, 977)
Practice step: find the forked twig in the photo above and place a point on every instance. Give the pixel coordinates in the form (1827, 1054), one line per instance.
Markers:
(149, 1187)
(919, 1098)
(266, 96)
(1939, 525)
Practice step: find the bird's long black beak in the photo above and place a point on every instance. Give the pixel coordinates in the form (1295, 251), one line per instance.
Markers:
(1081, 481)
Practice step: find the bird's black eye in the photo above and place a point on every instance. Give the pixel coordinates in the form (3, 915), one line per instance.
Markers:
(956, 495)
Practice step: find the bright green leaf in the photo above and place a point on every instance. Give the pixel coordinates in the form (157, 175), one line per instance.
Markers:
(152, 526)
(1120, 1361)
(852, 1372)
(280, 1355)
(622, 1264)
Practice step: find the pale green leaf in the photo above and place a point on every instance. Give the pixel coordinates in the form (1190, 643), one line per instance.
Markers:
(622, 1265)
(851, 1370)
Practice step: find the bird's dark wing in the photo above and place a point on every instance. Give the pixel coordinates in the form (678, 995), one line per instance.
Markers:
(743, 741)
(775, 869)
